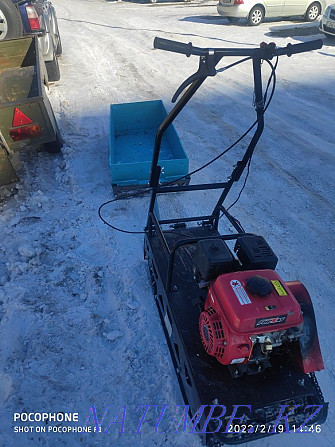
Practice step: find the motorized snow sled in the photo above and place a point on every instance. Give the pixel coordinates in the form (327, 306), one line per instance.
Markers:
(238, 333)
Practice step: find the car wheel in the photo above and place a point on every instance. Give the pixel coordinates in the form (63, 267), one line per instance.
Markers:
(256, 16)
(313, 12)
(10, 21)
(330, 36)
(233, 19)
(53, 69)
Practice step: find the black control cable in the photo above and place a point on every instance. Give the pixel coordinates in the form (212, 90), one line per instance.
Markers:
(143, 191)
(273, 75)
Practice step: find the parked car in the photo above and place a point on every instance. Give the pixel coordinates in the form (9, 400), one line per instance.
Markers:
(254, 11)
(22, 17)
(327, 24)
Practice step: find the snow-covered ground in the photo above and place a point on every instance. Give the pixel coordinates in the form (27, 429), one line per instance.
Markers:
(79, 325)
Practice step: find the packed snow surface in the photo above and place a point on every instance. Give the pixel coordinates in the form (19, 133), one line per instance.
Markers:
(79, 325)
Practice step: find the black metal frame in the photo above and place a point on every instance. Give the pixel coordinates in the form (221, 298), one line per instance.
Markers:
(208, 61)
(207, 65)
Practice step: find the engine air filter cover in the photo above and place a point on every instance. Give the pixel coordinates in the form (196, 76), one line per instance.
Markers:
(255, 253)
(213, 257)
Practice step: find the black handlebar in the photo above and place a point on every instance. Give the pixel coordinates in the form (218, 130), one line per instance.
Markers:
(299, 47)
(175, 47)
(266, 51)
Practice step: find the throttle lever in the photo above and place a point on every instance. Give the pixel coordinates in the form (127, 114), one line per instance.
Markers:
(182, 87)
(206, 68)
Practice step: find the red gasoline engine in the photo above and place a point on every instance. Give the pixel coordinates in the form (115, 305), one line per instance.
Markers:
(250, 315)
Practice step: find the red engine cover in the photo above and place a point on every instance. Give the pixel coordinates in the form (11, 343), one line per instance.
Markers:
(233, 314)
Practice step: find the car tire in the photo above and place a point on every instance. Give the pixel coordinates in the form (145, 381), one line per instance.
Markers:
(256, 16)
(233, 19)
(313, 12)
(10, 21)
(53, 69)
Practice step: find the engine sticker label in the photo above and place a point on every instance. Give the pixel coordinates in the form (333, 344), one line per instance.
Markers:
(279, 288)
(240, 292)
(270, 321)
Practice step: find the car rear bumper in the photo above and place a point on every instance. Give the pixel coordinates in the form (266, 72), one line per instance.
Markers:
(238, 11)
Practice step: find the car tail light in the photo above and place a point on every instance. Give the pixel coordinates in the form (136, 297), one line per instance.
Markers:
(26, 132)
(238, 2)
(33, 18)
(23, 127)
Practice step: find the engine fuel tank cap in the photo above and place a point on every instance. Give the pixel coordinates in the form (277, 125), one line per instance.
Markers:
(258, 285)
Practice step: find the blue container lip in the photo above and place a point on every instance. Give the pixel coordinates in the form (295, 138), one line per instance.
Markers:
(133, 127)
(126, 104)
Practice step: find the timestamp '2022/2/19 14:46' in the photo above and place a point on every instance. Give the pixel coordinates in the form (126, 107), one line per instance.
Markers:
(280, 428)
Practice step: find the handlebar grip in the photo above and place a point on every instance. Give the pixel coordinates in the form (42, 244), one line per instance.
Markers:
(300, 47)
(172, 45)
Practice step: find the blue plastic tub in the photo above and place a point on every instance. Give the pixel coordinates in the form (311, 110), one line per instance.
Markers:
(133, 128)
